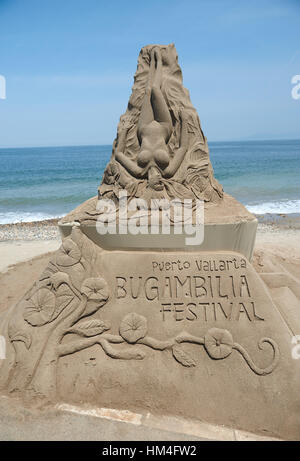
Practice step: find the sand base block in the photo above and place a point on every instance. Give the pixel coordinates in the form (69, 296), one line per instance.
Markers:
(228, 226)
(194, 335)
(239, 237)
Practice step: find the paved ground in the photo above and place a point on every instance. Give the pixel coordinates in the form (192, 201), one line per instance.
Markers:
(66, 422)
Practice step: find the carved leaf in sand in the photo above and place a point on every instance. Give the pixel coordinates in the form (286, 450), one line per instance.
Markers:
(22, 336)
(39, 307)
(64, 296)
(59, 278)
(89, 328)
(183, 357)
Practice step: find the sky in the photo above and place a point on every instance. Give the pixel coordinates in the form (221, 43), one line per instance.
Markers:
(69, 66)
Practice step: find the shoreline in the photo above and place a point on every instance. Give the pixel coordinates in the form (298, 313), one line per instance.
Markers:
(30, 231)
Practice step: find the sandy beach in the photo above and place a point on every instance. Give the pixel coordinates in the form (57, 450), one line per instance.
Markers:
(23, 241)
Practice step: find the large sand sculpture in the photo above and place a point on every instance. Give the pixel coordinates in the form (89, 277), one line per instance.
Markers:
(161, 153)
(168, 329)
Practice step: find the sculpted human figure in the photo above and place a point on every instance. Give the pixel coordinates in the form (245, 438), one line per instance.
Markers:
(154, 131)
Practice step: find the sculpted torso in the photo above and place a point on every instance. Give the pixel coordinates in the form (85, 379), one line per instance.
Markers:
(153, 147)
(154, 131)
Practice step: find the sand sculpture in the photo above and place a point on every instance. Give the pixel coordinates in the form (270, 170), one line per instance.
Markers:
(166, 151)
(184, 331)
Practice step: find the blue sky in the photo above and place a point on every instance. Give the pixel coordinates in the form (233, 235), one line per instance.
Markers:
(69, 66)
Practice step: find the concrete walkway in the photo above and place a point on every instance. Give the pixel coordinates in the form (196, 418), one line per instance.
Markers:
(68, 422)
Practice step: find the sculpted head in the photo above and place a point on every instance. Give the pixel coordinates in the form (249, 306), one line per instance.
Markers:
(155, 179)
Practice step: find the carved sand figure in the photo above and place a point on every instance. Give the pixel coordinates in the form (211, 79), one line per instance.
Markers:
(160, 150)
(154, 131)
(190, 332)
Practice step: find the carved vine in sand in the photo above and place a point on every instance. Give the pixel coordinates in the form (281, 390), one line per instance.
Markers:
(66, 293)
(218, 344)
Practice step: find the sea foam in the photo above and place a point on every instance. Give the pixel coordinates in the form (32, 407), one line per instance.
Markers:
(16, 217)
(283, 206)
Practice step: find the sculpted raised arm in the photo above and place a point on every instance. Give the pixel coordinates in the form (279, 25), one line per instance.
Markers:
(146, 115)
(130, 166)
(180, 153)
(122, 139)
(160, 108)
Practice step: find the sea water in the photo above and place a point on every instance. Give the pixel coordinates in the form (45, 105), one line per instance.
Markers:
(46, 182)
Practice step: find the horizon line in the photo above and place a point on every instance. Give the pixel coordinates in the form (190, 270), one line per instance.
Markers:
(110, 145)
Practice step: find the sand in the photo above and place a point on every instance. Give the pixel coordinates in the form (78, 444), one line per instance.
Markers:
(25, 250)
(22, 261)
(279, 247)
(14, 252)
(29, 231)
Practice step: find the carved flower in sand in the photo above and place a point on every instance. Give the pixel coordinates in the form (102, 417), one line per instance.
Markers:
(40, 307)
(218, 343)
(197, 178)
(68, 254)
(95, 289)
(133, 327)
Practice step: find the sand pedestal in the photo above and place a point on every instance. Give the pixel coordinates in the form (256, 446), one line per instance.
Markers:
(228, 226)
(186, 334)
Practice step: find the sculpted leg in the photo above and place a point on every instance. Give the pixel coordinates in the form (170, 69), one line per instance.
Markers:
(160, 108)
(146, 115)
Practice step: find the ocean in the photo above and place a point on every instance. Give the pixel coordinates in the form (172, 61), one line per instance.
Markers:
(47, 182)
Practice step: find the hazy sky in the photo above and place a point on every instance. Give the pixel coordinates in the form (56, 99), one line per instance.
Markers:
(69, 65)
